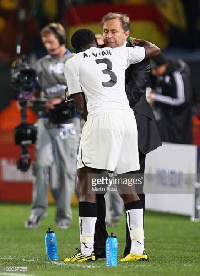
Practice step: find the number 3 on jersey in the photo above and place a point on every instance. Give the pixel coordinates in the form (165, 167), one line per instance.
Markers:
(108, 71)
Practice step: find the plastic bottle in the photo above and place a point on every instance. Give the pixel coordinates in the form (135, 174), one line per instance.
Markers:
(51, 245)
(111, 250)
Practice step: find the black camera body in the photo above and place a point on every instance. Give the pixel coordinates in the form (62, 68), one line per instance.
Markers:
(23, 80)
(25, 134)
(23, 77)
(62, 112)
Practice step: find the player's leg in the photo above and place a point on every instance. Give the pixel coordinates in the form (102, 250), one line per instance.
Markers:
(110, 155)
(99, 148)
(127, 188)
(138, 174)
(134, 216)
(87, 215)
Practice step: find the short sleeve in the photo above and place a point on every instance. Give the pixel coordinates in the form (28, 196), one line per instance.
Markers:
(72, 77)
(135, 54)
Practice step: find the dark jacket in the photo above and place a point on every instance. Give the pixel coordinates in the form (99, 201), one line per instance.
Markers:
(136, 81)
(174, 101)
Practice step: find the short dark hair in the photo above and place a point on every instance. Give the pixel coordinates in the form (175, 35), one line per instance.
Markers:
(158, 60)
(81, 38)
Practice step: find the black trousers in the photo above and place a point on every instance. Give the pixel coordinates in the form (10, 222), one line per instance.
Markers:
(100, 228)
(101, 234)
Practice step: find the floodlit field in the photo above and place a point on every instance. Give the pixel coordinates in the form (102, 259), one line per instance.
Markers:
(172, 243)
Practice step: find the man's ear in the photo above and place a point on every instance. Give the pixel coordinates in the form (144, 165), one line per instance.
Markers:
(67, 93)
(127, 34)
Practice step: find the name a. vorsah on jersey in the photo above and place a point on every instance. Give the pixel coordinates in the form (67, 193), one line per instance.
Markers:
(103, 53)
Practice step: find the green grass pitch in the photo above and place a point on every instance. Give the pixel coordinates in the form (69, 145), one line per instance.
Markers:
(172, 243)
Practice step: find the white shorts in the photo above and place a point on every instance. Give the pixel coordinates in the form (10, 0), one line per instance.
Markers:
(110, 142)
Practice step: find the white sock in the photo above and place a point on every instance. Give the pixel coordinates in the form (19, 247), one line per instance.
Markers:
(87, 230)
(135, 225)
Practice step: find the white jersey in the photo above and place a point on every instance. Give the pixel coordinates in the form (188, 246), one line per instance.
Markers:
(100, 74)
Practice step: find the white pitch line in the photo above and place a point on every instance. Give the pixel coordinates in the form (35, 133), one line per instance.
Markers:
(76, 264)
(15, 258)
(49, 262)
(14, 274)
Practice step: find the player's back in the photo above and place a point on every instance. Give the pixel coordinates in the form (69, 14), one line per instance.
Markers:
(101, 74)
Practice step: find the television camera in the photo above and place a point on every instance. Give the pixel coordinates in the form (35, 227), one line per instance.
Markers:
(23, 80)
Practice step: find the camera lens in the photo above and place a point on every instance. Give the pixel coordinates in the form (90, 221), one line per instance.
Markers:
(23, 164)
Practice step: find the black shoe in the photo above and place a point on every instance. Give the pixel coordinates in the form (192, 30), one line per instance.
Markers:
(100, 254)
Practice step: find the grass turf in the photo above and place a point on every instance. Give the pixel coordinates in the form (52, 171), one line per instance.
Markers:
(172, 244)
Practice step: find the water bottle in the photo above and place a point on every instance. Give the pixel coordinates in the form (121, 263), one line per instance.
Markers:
(51, 245)
(111, 250)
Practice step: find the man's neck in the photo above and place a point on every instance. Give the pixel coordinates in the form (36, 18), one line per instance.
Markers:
(86, 47)
(62, 52)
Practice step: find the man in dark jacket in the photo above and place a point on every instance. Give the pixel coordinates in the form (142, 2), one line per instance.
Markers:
(115, 33)
(172, 97)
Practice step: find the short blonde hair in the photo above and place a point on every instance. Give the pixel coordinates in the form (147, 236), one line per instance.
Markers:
(59, 30)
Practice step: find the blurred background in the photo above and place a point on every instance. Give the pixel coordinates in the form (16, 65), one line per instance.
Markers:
(173, 25)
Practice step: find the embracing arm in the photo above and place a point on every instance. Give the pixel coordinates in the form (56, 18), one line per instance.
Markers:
(151, 49)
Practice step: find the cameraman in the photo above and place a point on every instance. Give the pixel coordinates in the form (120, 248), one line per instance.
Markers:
(56, 145)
